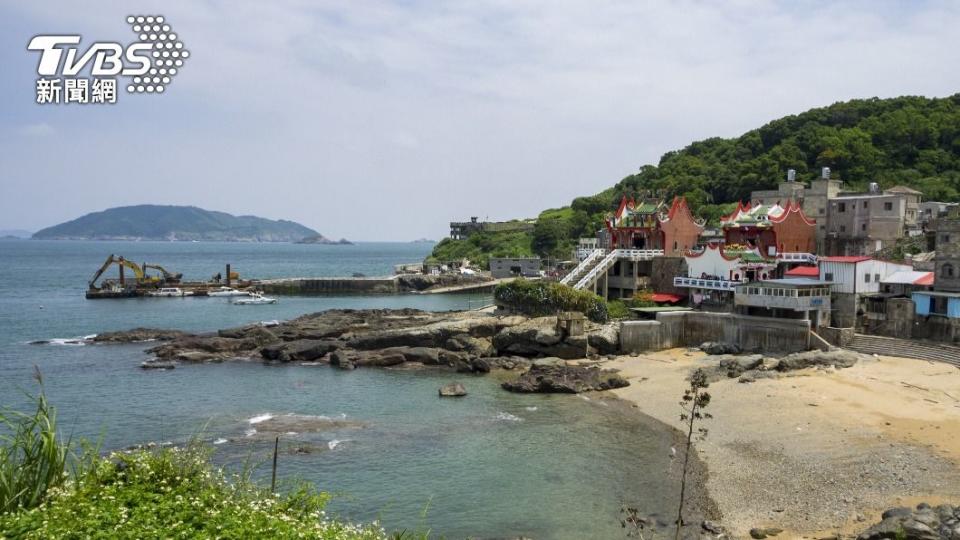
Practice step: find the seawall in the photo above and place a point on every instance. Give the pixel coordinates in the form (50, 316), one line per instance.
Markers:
(329, 285)
(691, 328)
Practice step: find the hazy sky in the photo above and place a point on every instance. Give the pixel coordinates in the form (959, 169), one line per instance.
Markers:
(386, 120)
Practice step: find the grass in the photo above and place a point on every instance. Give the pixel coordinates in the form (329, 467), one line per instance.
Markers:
(33, 457)
(49, 491)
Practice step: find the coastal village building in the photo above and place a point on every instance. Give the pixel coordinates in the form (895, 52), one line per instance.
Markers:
(461, 230)
(713, 272)
(787, 298)
(651, 224)
(855, 278)
(504, 267)
(850, 223)
(938, 311)
(783, 232)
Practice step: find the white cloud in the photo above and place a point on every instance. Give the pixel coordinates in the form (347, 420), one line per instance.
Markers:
(41, 129)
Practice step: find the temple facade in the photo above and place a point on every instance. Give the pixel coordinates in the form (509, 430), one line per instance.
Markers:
(652, 225)
(772, 229)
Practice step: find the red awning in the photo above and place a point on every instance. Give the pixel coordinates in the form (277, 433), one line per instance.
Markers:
(664, 297)
(803, 271)
(925, 280)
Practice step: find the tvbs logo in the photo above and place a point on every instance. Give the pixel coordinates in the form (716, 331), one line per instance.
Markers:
(149, 64)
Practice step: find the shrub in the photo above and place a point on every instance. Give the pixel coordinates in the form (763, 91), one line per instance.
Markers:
(176, 493)
(539, 298)
(618, 309)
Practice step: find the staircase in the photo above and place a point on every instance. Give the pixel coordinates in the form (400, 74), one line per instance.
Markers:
(905, 348)
(584, 267)
(598, 269)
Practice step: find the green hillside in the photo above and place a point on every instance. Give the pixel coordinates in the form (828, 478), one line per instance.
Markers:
(151, 222)
(914, 141)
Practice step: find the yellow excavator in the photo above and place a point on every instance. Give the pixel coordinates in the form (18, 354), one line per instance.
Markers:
(140, 276)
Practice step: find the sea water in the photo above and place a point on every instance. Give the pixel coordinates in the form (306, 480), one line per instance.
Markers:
(491, 464)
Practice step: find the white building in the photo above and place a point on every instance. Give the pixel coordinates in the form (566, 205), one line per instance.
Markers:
(858, 274)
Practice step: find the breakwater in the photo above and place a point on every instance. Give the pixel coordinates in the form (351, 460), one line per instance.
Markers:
(403, 283)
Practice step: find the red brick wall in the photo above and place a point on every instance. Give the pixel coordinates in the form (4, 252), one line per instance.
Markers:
(680, 232)
(795, 235)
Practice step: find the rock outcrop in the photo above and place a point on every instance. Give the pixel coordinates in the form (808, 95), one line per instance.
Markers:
(562, 379)
(453, 389)
(137, 335)
(923, 523)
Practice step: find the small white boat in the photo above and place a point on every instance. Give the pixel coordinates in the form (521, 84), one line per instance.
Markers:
(255, 299)
(227, 291)
(170, 292)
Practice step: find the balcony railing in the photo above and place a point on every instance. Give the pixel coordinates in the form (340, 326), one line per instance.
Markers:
(798, 257)
(711, 284)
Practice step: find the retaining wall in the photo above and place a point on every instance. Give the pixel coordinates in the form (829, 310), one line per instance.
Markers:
(691, 328)
(305, 286)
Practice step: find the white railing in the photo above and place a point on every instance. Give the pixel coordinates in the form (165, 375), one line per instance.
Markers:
(639, 254)
(712, 284)
(798, 257)
(594, 272)
(613, 257)
(583, 266)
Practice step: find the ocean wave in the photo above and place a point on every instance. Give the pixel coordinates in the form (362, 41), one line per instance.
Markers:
(260, 418)
(221, 440)
(250, 432)
(334, 443)
(530, 408)
(505, 416)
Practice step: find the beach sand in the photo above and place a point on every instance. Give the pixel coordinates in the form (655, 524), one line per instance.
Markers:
(815, 452)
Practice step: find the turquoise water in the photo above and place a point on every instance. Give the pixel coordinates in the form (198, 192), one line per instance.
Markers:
(491, 464)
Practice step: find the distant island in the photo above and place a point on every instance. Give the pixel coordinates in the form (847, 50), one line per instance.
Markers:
(9, 234)
(321, 239)
(175, 223)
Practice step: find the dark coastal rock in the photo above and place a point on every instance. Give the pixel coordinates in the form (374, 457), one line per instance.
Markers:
(605, 339)
(538, 337)
(429, 356)
(719, 347)
(161, 364)
(303, 350)
(922, 523)
(224, 347)
(760, 533)
(470, 344)
(139, 334)
(453, 389)
(565, 380)
(837, 358)
(197, 357)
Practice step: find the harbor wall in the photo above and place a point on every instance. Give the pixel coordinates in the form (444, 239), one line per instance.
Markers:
(332, 285)
(691, 328)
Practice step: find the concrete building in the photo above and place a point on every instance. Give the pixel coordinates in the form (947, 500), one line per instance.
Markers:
(461, 230)
(789, 298)
(947, 258)
(855, 278)
(850, 223)
(712, 273)
(931, 210)
(504, 267)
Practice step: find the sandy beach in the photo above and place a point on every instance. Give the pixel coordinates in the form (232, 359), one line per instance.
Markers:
(815, 452)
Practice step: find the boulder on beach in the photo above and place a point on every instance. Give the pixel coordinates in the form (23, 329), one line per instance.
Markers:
(719, 347)
(552, 378)
(838, 358)
(453, 389)
(923, 523)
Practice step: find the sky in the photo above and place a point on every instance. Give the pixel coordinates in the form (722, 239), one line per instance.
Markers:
(378, 120)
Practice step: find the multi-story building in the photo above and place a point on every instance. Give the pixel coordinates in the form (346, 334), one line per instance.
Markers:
(788, 298)
(651, 224)
(938, 311)
(854, 279)
(850, 223)
(713, 272)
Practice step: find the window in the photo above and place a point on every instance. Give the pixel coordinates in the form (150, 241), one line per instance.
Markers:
(876, 278)
(945, 238)
(866, 204)
(828, 276)
(946, 271)
(888, 206)
(842, 207)
(843, 228)
(866, 278)
(863, 226)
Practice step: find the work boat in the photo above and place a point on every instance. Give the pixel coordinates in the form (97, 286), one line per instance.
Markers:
(255, 299)
(227, 291)
(170, 292)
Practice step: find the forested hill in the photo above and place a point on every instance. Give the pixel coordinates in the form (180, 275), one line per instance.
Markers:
(152, 222)
(914, 141)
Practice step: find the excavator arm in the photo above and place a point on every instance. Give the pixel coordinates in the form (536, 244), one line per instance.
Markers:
(167, 276)
(119, 261)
